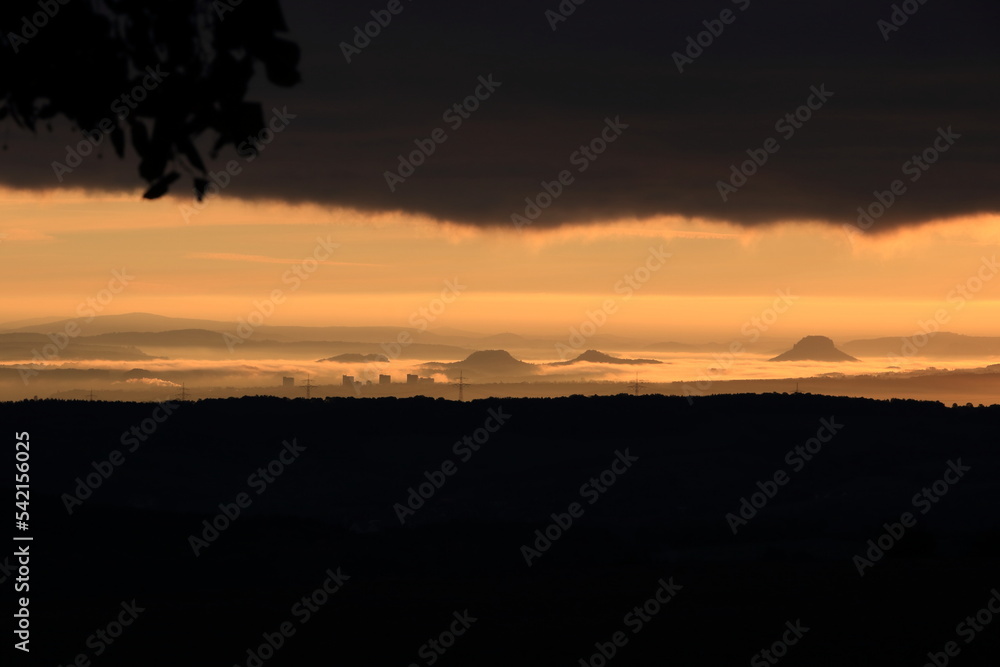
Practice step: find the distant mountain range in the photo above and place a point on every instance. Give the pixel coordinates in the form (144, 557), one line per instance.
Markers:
(101, 324)
(352, 357)
(141, 330)
(142, 335)
(941, 344)
(686, 347)
(37, 347)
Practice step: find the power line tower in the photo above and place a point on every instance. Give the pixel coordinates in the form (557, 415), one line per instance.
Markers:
(183, 392)
(308, 387)
(461, 387)
(91, 394)
(636, 384)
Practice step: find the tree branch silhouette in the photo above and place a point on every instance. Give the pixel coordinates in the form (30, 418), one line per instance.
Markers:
(83, 59)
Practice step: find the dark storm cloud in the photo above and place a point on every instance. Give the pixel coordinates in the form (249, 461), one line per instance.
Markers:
(892, 98)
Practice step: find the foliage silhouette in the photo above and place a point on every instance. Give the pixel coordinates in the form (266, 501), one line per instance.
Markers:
(76, 58)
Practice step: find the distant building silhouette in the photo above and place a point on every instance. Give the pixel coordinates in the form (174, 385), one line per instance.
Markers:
(425, 380)
(348, 381)
(411, 378)
(385, 379)
(287, 382)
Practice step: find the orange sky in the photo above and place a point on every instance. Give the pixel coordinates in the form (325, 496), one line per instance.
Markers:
(57, 249)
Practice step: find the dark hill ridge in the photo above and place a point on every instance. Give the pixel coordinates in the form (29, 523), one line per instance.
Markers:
(28, 346)
(596, 357)
(673, 346)
(171, 338)
(352, 357)
(933, 344)
(814, 348)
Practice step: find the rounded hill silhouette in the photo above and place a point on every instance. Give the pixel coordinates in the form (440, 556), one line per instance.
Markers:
(597, 357)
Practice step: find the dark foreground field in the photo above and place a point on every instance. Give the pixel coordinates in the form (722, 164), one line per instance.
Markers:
(641, 485)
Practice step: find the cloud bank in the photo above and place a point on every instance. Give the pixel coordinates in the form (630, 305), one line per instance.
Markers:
(532, 115)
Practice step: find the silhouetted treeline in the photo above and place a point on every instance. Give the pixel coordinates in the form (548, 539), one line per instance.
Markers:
(431, 507)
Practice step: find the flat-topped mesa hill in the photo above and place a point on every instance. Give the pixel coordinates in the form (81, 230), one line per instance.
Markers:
(596, 357)
(486, 362)
(814, 348)
(486, 359)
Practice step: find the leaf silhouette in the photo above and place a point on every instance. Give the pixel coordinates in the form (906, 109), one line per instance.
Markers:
(118, 140)
(161, 186)
(208, 61)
